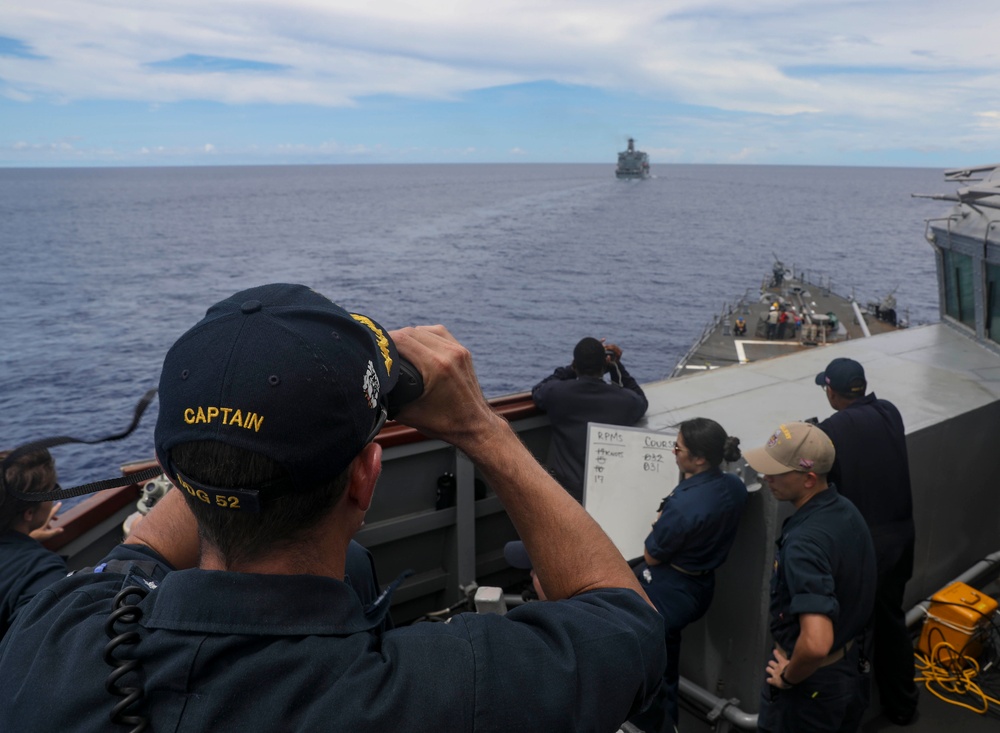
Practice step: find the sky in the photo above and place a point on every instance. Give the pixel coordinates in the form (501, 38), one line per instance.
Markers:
(242, 82)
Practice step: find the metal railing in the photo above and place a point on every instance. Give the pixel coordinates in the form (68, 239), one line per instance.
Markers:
(728, 308)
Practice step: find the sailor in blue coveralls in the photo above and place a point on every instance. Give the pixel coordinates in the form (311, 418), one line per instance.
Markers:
(232, 608)
(691, 537)
(822, 591)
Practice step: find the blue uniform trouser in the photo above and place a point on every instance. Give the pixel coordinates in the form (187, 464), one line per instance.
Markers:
(832, 700)
(893, 653)
(680, 599)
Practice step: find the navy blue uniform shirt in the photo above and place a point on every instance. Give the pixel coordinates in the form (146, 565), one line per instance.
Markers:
(872, 470)
(234, 651)
(824, 563)
(26, 567)
(698, 521)
(571, 402)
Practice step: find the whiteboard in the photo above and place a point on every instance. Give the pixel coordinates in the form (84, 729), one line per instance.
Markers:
(628, 471)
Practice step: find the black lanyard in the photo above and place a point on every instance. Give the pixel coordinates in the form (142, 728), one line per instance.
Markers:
(90, 488)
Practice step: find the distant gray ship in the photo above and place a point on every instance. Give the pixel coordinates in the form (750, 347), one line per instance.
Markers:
(632, 163)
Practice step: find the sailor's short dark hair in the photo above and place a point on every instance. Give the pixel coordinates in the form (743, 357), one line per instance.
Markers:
(245, 536)
(31, 473)
(589, 357)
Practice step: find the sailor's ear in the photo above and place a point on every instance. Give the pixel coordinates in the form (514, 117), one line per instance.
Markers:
(364, 472)
(163, 468)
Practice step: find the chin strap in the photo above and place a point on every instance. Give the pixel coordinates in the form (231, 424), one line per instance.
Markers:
(90, 488)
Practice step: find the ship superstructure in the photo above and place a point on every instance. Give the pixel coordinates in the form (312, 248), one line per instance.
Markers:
(632, 163)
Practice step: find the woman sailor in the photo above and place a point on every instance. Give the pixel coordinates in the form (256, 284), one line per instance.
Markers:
(691, 537)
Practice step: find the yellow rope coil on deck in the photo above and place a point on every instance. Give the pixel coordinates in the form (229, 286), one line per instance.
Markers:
(949, 672)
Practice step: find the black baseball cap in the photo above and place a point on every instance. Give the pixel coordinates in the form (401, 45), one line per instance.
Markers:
(281, 371)
(844, 376)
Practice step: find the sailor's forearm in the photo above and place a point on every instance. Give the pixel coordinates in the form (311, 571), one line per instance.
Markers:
(813, 645)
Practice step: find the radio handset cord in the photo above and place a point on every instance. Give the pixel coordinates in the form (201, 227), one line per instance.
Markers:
(59, 493)
(140, 578)
(129, 615)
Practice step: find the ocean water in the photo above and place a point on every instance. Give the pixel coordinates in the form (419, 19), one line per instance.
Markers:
(104, 268)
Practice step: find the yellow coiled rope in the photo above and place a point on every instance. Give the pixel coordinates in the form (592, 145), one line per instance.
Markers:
(947, 674)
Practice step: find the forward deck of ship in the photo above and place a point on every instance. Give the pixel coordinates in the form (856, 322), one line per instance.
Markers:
(719, 345)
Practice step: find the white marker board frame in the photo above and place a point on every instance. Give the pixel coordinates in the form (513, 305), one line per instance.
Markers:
(627, 473)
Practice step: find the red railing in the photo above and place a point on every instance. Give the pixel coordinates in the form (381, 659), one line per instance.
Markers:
(90, 512)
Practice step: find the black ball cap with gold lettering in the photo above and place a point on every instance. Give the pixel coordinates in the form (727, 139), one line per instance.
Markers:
(281, 371)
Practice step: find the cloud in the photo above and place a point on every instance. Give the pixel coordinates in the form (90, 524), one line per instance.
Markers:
(337, 52)
(843, 70)
(60, 146)
(988, 120)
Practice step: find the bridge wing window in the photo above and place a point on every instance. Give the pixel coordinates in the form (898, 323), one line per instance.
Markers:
(960, 303)
(993, 302)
